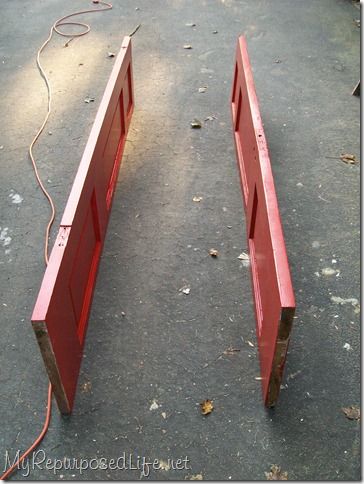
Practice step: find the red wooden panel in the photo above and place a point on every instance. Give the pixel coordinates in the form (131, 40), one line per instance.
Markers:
(272, 286)
(62, 308)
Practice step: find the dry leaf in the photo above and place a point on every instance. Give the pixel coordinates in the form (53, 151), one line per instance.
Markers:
(197, 199)
(276, 474)
(154, 405)
(348, 158)
(185, 289)
(231, 351)
(89, 99)
(111, 54)
(213, 252)
(328, 271)
(195, 477)
(351, 300)
(86, 387)
(163, 465)
(245, 259)
(206, 407)
(352, 413)
(196, 124)
(187, 46)
(202, 89)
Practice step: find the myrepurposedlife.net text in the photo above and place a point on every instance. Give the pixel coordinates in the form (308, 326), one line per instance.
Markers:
(125, 462)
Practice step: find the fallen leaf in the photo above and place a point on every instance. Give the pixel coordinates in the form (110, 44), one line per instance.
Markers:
(196, 124)
(197, 199)
(154, 405)
(191, 25)
(185, 289)
(195, 477)
(231, 351)
(328, 271)
(245, 259)
(352, 412)
(293, 375)
(348, 159)
(206, 407)
(164, 415)
(213, 252)
(86, 387)
(276, 474)
(163, 465)
(187, 46)
(111, 54)
(89, 99)
(351, 300)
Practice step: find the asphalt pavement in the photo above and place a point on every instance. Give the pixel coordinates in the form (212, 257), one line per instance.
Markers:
(153, 353)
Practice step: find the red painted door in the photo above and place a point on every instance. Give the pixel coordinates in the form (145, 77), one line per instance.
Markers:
(272, 286)
(63, 305)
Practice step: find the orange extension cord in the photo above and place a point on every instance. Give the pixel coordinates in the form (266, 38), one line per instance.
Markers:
(55, 28)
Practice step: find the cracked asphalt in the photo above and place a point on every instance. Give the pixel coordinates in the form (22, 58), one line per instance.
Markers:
(152, 353)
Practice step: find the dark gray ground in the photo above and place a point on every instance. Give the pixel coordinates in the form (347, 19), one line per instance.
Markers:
(158, 238)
